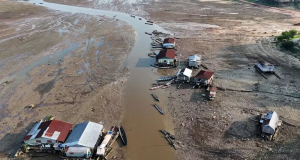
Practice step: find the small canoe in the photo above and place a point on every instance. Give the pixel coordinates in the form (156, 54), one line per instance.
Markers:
(165, 79)
(155, 97)
(167, 134)
(159, 109)
(123, 135)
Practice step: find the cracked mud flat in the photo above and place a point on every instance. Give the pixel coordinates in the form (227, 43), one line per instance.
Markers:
(65, 64)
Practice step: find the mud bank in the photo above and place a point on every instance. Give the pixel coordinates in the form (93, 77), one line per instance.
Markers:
(70, 66)
(96, 71)
(230, 44)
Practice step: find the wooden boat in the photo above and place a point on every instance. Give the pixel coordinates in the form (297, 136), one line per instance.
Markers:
(159, 109)
(155, 97)
(170, 141)
(123, 135)
(165, 79)
(167, 134)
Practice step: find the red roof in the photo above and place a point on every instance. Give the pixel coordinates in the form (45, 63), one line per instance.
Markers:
(58, 126)
(169, 40)
(213, 89)
(205, 74)
(169, 53)
(27, 137)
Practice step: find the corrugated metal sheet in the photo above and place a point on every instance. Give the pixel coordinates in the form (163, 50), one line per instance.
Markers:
(32, 131)
(205, 74)
(43, 127)
(37, 131)
(187, 72)
(266, 68)
(90, 134)
(195, 58)
(169, 53)
(58, 130)
(169, 40)
(270, 123)
(84, 134)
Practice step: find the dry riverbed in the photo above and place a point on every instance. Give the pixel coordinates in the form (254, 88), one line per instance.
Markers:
(231, 37)
(70, 66)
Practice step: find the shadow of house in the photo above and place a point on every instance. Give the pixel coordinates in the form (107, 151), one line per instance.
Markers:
(11, 142)
(145, 62)
(243, 129)
(197, 96)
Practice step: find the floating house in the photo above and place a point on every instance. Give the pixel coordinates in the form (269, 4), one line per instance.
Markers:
(166, 58)
(212, 93)
(194, 61)
(184, 75)
(169, 43)
(49, 132)
(269, 123)
(82, 139)
(204, 78)
(265, 67)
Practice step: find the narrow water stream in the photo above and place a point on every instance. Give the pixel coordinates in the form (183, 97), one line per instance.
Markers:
(141, 120)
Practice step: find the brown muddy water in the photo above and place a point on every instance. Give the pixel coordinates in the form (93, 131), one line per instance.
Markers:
(141, 120)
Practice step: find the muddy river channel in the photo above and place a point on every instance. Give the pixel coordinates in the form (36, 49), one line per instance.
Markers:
(140, 119)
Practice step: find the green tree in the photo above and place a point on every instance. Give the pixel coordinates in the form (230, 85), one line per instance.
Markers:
(287, 35)
(293, 33)
(288, 45)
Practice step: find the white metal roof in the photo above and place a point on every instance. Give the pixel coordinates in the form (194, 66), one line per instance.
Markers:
(195, 58)
(84, 134)
(271, 126)
(187, 72)
(34, 128)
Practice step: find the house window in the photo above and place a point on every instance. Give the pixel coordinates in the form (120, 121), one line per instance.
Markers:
(165, 60)
(38, 141)
(49, 141)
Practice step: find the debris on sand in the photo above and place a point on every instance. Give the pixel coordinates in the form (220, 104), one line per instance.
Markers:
(148, 33)
(259, 144)
(30, 106)
(204, 66)
(9, 81)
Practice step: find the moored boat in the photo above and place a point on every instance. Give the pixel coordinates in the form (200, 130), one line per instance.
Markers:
(159, 109)
(155, 97)
(123, 135)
